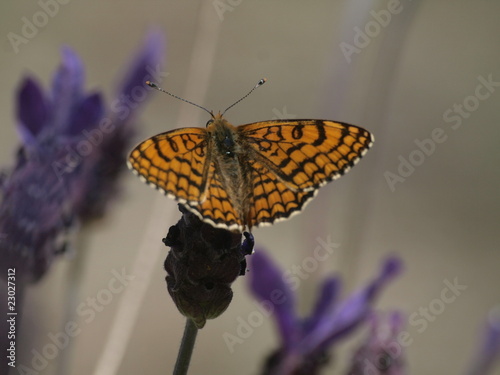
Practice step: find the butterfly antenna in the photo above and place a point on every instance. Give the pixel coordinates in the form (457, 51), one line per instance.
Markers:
(260, 83)
(156, 87)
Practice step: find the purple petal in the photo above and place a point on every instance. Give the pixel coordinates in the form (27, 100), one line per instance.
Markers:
(32, 230)
(489, 352)
(70, 75)
(351, 311)
(147, 65)
(32, 111)
(101, 182)
(327, 298)
(396, 321)
(67, 86)
(267, 285)
(86, 115)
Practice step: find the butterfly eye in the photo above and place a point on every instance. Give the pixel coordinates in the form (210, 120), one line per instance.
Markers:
(209, 122)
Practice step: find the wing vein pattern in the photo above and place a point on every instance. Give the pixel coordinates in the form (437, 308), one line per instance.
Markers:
(175, 162)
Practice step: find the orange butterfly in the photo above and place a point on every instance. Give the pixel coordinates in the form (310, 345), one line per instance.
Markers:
(250, 175)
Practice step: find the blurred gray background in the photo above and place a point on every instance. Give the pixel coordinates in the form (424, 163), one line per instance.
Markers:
(401, 83)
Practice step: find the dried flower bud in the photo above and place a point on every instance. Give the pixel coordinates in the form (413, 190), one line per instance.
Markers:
(201, 265)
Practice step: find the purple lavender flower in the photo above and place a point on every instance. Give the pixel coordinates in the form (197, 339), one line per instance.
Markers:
(305, 342)
(381, 353)
(114, 138)
(71, 148)
(36, 209)
(32, 232)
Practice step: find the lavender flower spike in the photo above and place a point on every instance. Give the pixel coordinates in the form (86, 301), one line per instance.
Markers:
(36, 210)
(305, 342)
(116, 133)
(72, 150)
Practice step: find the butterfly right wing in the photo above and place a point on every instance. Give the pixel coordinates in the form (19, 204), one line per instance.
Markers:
(175, 162)
(291, 159)
(306, 154)
(272, 200)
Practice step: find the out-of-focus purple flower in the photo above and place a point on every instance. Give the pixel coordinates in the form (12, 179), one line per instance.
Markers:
(37, 198)
(34, 218)
(47, 121)
(381, 354)
(115, 135)
(489, 351)
(72, 150)
(305, 342)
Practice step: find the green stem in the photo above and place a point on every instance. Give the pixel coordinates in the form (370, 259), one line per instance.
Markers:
(186, 349)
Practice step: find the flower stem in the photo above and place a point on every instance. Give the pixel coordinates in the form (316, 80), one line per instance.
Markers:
(186, 349)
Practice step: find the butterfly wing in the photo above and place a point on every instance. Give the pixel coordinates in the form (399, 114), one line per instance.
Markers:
(217, 208)
(272, 200)
(287, 162)
(176, 162)
(291, 159)
(179, 163)
(306, 154)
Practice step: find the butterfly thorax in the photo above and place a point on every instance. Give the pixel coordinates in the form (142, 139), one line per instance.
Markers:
(225, 137)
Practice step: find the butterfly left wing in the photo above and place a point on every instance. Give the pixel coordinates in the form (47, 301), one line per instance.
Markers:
(176, 162)
(306, 154)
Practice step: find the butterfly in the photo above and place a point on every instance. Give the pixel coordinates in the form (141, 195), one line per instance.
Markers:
(237, 177)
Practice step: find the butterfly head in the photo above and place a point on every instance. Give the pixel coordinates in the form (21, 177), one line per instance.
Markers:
(215, 117)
